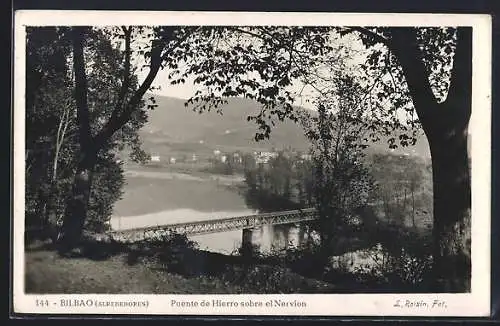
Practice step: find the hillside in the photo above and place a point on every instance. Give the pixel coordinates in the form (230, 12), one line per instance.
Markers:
(172, 123)
(174, 128)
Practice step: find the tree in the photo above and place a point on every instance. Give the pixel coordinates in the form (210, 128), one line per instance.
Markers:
(400, 184)
(123, 104)
(47, 110)
(341, 184)
(280, 175)
(417, 61)
(424, 56)
(54, 140)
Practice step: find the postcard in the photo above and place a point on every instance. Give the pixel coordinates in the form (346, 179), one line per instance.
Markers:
(251, 163)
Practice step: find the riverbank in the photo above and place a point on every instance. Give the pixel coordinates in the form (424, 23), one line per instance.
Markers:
(176, 265)
(47, 272)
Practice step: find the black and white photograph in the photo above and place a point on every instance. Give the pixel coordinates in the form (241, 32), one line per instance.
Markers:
(232, 163)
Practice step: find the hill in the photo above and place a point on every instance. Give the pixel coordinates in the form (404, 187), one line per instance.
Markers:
(174, 128)
(172, 123)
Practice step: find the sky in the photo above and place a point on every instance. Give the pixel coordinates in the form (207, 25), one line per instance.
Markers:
(188, 89)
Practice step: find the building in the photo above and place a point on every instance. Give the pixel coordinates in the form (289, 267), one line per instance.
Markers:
(172, 160)
(264, 157)
(237, 158)
(306, 157)
(155, 158)
(261, 160)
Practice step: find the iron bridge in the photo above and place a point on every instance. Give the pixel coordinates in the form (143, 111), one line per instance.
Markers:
(215, 226)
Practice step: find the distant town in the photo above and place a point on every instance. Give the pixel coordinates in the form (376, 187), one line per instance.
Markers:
(236, 157)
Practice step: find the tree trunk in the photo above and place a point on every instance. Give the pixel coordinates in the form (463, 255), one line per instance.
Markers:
(452, 203)
(445, 125)
(413, 208)
(76, 208)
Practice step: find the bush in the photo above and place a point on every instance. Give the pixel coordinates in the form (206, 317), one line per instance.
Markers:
(399, 271)
(108, 181)
(175, 252)
(45, 206)
(264, 279)
(99, 246)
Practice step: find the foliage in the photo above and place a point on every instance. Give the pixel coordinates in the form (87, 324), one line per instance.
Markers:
(107, 188)
(278, 183)
(404, 187)
(266, 279)
(249, 253)
(262, 63)
(426, 70)
(341, 182)
(259, 63)
(174, 251)
(403, 264)
(52, 136)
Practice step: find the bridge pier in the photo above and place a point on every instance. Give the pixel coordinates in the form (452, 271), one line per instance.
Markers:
(246, 240)
(286, 235)
(246, 243)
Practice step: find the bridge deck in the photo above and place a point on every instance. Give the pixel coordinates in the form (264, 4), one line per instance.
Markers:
(217, 225)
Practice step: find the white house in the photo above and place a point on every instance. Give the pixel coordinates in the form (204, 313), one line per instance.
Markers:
(237, 158)
(155, 158)
(172, 160)
(306, 157)
(264, 157)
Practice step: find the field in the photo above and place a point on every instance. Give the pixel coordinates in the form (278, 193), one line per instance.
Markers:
(48, 273)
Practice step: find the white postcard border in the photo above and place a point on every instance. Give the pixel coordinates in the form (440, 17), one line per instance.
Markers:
(476, 303)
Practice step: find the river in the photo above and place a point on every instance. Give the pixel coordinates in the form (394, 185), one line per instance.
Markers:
(267, 237)
(224, 242)
(159, 198)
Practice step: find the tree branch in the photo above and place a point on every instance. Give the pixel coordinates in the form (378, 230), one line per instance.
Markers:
(118, 121)
(404, 46)
(242, 31)
(156, 61)
(372, 35)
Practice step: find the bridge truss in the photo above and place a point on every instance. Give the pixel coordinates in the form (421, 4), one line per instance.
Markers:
(215, 226)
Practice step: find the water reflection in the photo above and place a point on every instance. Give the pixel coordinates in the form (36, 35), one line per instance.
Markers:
(267, 238)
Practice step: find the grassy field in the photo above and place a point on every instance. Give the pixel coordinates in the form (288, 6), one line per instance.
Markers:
(48, 273)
